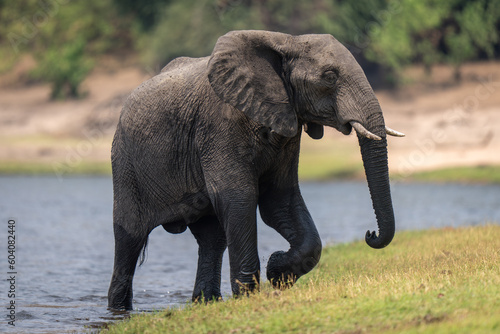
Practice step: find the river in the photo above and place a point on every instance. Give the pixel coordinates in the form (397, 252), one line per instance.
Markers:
(64, 242)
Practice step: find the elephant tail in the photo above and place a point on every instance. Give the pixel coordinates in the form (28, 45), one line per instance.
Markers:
(144, 254)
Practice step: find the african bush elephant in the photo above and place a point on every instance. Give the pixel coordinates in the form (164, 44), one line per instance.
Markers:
(208, 140)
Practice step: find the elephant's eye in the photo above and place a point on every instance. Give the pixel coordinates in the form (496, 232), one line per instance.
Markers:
(330, 76)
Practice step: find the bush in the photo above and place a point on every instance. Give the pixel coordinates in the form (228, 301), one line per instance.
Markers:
(65, 69)
(65, 37)
(431, 31)
(191, 28)
(389, 33)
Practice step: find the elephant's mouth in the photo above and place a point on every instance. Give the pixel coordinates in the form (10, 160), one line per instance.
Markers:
(345, 128)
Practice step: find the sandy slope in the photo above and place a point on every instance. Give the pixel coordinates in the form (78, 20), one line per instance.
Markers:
(445, 124)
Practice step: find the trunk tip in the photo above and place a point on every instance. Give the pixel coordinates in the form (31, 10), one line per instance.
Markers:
(375, 241)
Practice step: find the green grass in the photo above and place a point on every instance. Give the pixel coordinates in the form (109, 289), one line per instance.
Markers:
(48, 168)
(474, 174)
(436, 281)
(320, 166)
(57, 155)
(328, 159)
(313, 166)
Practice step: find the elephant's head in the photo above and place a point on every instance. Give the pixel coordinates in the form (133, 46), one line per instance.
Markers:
(284, 82)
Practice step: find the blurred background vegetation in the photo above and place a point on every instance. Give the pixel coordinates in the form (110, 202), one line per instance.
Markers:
(67, 37)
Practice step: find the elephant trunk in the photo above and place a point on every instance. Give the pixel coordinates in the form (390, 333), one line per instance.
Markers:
(374, 155)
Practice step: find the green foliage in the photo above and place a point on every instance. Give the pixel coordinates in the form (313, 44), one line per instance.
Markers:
(392, 44)
(188, 28)
(191, 28)
(431, 31)
(475, 31)
(145, 12)
(64, 36)
(351, 21)
(389, 33)
(65, 68)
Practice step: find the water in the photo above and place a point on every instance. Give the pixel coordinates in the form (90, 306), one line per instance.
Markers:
(64, 243)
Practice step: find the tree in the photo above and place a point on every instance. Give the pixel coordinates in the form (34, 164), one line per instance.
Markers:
(432, 31)
(145, 12)
(474, 31)
(65, 38)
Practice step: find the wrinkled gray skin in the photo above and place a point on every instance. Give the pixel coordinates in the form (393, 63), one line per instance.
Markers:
(206, 141)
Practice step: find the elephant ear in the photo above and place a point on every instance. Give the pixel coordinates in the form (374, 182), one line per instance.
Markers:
(245, 71)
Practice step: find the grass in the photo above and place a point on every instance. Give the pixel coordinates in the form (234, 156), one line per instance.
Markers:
(319, 166)
(474, 174)
(56, 155)
(328, 159)
(48, 168)
(313, 166)
(435, 281)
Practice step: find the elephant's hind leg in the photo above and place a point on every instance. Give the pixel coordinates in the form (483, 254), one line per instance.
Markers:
(212, 243)
(128, 248)
(131, 234)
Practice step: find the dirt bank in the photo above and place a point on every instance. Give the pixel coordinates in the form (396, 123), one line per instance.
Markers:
(446, 124)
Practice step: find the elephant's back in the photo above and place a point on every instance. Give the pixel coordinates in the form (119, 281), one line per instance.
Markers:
(184, 64)
(166, 103)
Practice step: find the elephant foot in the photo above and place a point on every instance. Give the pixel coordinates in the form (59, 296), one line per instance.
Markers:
(120, 302)
(285, 268)
(245, 289)
(120, 293)
(279, 271)
(207, 298)
(245, 283)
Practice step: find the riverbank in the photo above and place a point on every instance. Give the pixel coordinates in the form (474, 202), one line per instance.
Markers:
(313, 167)
(445, 280)
(451, 126)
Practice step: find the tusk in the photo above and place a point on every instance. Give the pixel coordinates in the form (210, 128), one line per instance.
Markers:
(360, 129)
(394, 133)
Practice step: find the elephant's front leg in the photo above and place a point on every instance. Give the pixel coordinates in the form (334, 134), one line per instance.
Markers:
(235, 204)
(212, 243)
(240, 223)
(284, 210)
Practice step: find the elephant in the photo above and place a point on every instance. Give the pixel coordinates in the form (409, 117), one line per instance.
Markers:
(208, 140)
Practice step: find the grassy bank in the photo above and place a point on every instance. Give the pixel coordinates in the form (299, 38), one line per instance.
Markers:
(314, 166)
(436, 281)
(474, 174)
(328, 159)
(52, 155)
(54, 168)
